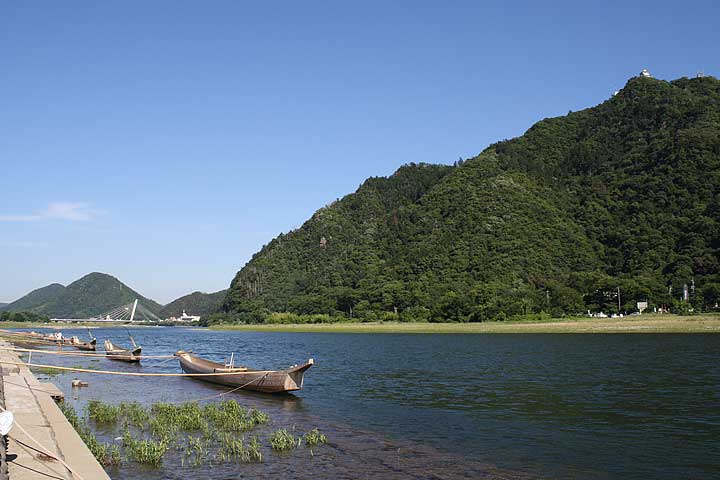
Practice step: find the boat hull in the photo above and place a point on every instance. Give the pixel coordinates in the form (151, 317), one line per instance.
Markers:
(266, 381)
(85, 346)
(122, 355)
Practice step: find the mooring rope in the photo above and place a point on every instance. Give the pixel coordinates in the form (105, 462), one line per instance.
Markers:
(132, 374)
(229, 391)
(75, 354)
(159, 364)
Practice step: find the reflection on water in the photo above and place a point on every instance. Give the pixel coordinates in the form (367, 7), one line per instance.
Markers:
(453, 406)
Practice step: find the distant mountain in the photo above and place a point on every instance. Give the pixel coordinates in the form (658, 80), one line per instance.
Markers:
(624, 195)
(93, 294)
(2, 304)
(196, 303)
(36, 300)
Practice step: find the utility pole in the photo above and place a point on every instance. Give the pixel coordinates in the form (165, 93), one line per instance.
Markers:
(618, 288)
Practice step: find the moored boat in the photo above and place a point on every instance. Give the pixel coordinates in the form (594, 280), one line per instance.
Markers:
(80, 345)
(267, 381)
(114, 352)
(34, 338)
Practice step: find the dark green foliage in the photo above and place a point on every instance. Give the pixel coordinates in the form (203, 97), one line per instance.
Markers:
(22, 317)
(149, 434)
(281, 440)
(196, 303)
(93, 294)
(36, 299)
(314, 437)
(625, 194)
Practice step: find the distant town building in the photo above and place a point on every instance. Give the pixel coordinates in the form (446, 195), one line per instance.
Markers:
(645, 73)
(185, 318)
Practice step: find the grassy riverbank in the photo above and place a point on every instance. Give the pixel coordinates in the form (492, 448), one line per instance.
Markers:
(636, 324)
(63, 326)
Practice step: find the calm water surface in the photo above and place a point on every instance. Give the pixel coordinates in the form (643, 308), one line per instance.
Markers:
(453, 406)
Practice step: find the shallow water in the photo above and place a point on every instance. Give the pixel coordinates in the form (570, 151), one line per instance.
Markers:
(451, 406)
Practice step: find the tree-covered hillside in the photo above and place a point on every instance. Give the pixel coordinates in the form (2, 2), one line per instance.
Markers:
(196, 303)
(35, 300)
(92, 294)
(623, 195)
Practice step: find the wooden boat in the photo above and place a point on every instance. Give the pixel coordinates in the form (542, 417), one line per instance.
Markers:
(267, 381)
(33, 338)
(114, 352)
(80, 345)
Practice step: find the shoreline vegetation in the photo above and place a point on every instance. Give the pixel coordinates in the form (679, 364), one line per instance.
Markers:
(666, 323)
(647, 323)
(214, 433)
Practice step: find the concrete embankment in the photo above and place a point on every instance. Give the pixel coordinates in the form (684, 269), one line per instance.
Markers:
(34, 408)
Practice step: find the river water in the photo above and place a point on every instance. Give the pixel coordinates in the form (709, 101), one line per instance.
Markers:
(413, 406)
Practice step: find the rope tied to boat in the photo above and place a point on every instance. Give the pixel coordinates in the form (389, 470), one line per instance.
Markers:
(132, 374)
(75, 354)
(229, 391)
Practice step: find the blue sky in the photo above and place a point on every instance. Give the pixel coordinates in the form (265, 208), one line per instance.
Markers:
(166, 142)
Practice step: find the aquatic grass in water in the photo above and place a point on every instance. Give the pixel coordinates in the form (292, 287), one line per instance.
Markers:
(197, 450)
(253, 450)
(135, 414)
(313, 438)
(209, 432)
(103, 413)
(146, 451)
(87, 367)
(282, 441)
(49, 371)
(259, 417)
(163, 430)
(235, 449)
(187, 416)
(231, 416)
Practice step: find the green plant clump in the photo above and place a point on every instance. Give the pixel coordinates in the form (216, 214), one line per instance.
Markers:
(144, 451)
(205, 429)
(314, 438)
(102, 412)
(282, 441)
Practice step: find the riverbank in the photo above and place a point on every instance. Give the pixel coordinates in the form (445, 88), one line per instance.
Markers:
(634, 324)
(62, 326)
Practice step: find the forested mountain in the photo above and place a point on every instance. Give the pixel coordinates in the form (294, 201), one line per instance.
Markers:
(93, 294)
(36, 299)
(196, 303)
(622, 195)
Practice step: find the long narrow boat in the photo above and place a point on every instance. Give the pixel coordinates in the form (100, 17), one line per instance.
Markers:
(33, 338)
(267, 381)
(80, 345)
(116, 353)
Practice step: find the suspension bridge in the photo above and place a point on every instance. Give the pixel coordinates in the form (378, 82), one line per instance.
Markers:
(133, 312)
